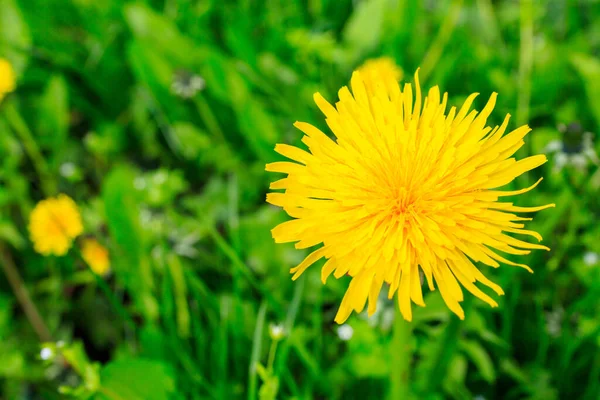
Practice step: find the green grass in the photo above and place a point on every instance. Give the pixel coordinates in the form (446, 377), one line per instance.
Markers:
(175, 189)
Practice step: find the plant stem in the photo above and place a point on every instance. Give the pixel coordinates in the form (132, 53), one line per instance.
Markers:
(289, 324)
(437, 47)
(209, 118)
(22, 294)
(237, 262)
(256, 346)
(525, 61)
(272, 352)
(20, 128)
(114, 301)
(447, 347)
(402, 352)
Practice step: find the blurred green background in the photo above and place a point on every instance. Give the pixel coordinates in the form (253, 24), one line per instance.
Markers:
(158, 117)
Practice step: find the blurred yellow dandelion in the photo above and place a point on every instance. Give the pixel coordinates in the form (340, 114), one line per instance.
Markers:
(96, 256)
(7, 78)
(53, 224)
(406, 188)
(382, 71)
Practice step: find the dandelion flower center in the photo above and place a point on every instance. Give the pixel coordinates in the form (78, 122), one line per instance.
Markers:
(405, 189)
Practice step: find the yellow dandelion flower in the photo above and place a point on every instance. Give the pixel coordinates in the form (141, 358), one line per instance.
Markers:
(7, 78)
(406, 188)
(96, 256)
(53, 225)
(381, 71)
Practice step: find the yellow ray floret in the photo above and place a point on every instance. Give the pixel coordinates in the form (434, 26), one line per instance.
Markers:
(53, 225)
(406, 189)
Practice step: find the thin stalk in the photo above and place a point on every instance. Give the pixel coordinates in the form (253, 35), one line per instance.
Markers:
(22, 294)
(114, 302)
(525, 62)
(22, 131)
(256, 346)
(209, 118)
(593, 388)
(233, 232)
(488, 18)
(402, 354)
(317, 323)
(112, 299)
(294, 305)
(439, 43)
(237, 262)
(289, 323)
(272, 352)
(447, 347)
(288, 326)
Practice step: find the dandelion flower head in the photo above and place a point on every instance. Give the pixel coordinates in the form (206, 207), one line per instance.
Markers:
(53, 224)
(406, 188)
(382, 70)
(7, 78)
(95, 255)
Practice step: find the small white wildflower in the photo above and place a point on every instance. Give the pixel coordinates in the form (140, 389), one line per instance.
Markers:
(479, 397)
(186, 84)
(276, 331)
(554, 320)
(553, 146)
(67, 169)
(160, 177)
(157, 253)
(560, 161)
(591, 258)
(185, 250)
(145, 216)
(345, 332)
(575, 149)
(373, 320)
(579, 161)
(197, 83)
(387, 319)
(46, 353)
(139, 183)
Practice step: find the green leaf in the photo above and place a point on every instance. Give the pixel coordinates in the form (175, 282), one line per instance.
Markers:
(136, 379)
(224, 81)
(588, 68)
(9, 233)
(163, 35)
(192, 142)
(512, 369)
(258, 128)
(180, 293)
(15, 38)
(53, 112)
(454, 383)
(77, 358)
(368, 357)
(364, 29)
(153, 342)
(479, 356)
(435, 309)
(150, 67)
(131, 263)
